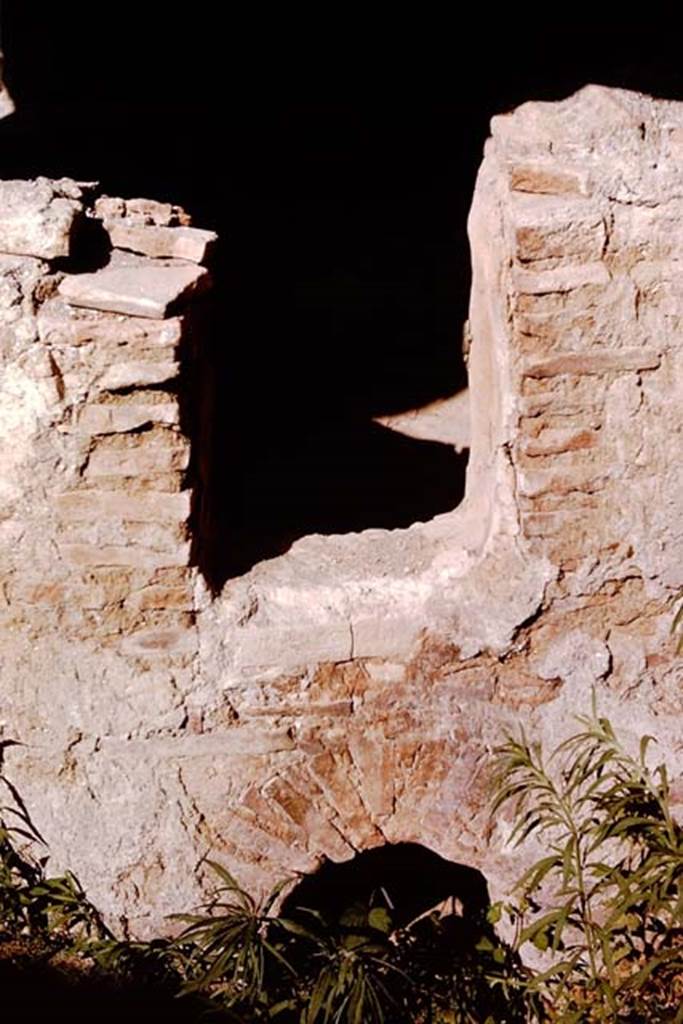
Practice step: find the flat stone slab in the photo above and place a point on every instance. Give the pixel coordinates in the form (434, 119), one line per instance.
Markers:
(37, 217)
(141, 288)
(182, 243)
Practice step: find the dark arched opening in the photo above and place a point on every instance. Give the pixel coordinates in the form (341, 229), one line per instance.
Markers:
(407, 879)
(418, 924)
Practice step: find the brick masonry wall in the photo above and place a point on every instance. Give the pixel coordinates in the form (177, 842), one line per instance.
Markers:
(348, 693)
(97, 590)
(96, 454)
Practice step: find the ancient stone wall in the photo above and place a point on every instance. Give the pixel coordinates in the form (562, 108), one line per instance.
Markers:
(97, 594)
(348, 693)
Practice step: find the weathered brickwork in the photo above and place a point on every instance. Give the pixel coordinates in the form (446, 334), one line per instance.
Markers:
(99, 489)
(349, 692)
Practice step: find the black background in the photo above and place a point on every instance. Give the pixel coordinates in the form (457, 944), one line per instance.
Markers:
(337, 163)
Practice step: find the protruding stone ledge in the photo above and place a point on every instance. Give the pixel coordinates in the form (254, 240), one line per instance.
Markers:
(159, 230)
(144, 288)
(180, 243)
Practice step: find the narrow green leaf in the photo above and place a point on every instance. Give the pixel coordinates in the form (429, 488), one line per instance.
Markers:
(379, 918)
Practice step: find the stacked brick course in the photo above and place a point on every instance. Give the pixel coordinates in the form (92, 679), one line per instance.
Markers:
(110, 497)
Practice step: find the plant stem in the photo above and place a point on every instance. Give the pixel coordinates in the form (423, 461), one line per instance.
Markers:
(584, 903)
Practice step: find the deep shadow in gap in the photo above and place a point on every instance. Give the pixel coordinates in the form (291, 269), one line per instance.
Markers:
(408, 878)
(356, 314)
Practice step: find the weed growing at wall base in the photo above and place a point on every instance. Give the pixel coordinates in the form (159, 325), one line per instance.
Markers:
(604, 904)
(356, 969)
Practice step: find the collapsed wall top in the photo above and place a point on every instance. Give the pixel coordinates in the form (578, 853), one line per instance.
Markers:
(154, 263)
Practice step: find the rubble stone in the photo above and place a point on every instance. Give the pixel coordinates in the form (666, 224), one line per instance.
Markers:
(182, 243)
(141, 212)
(141, 289)
(37, 218)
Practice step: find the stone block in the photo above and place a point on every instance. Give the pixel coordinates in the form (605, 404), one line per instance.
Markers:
(547, 179)
(127, 416)
(157, 596)
(558, 280)
(594, 362)
(332, 773)
(113, 532)
(546, 228)
(161, 641)
(144, 288)
(41, 592)
(140, 459)
(147, 507)
(92, 555)
(575, 477)
(263, 812)
(141, 211)
(158, 482)
(557, 441)
(376, 779)
(544, 524)
(138, 374)
(37, 217)
(61, 324)
(174, 577)
(179, 243)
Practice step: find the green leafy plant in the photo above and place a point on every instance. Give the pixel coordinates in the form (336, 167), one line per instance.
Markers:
(610, 882)
(462, 973)
(302, 969)
(348, 970)
(230, 948)
(359, 969)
